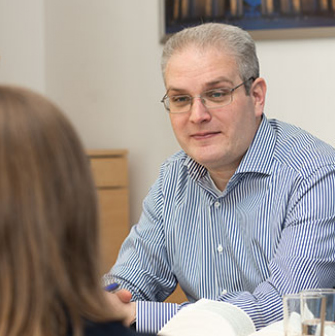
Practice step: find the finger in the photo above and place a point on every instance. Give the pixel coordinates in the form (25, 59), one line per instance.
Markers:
(124, 295)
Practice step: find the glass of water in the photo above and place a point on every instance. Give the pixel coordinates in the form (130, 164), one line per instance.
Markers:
(329, 293)
(313, 311)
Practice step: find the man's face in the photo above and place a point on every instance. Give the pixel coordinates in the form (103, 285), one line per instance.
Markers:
(216, 138)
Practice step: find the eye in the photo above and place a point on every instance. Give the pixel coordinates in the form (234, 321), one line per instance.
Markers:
(217, 94)
(180, 100)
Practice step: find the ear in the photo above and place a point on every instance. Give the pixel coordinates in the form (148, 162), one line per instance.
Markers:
(257, 93)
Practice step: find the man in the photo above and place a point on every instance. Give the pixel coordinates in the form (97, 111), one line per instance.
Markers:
(245, 212)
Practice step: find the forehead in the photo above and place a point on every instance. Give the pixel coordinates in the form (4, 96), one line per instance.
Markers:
(197, 68)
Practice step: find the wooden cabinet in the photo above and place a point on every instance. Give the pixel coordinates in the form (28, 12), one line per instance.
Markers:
(177, 296)
(110, 171)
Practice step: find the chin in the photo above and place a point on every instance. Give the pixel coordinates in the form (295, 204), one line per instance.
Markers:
(206, 159)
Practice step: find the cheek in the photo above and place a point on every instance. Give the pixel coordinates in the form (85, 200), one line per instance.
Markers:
(178, 125)
(241, 116)
(227, 120)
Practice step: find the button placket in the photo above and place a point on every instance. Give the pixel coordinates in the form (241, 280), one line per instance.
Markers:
(216, 208)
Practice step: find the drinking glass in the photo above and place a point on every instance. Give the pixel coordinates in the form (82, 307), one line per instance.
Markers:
(329, 293)
(312, 309)
(292, 321)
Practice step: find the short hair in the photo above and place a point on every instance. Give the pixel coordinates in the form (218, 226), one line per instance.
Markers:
(48, 221)
(227, 38)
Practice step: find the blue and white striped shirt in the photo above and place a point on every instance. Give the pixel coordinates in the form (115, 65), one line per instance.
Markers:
(270, 232)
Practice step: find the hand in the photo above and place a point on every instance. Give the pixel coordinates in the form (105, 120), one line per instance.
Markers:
(120, 303)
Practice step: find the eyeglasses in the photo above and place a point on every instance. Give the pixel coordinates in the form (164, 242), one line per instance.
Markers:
(212, 99)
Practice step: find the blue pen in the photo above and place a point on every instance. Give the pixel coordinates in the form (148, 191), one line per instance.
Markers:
(112, 287)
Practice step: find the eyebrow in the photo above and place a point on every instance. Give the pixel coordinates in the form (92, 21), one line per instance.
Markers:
(220, 80)
(223, 80)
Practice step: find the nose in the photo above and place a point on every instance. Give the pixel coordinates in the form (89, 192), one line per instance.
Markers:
(199, 112)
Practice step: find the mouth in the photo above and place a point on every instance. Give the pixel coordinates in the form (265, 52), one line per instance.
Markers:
(204, 135)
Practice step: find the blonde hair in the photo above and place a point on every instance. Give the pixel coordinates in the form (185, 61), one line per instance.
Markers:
(50, 278)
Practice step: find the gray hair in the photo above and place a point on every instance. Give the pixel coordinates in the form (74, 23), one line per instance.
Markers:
(230, 39)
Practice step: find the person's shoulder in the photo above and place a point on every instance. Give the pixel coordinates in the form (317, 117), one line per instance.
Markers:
(110, 329)
(300, 149)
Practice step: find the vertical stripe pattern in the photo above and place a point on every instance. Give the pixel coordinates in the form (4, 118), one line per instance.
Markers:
(272, 231)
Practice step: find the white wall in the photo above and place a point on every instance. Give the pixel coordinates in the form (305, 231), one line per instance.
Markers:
(300, 83)
(102, 67)
(22, 43)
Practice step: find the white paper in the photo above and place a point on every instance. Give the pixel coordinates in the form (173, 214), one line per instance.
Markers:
(274, 329)
(208, 317)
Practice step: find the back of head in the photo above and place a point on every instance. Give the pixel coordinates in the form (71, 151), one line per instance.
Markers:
(48, 220)
(226, 38)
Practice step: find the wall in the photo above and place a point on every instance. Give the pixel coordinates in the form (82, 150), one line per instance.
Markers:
(22, 43)
(102, 67)
(300, 83)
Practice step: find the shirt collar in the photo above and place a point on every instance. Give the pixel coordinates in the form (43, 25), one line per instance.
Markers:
(195, 169)
(258, 157)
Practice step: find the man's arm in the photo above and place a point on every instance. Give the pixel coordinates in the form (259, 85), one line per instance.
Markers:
(143, 265)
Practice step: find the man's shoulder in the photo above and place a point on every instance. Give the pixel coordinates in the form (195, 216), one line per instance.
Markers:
(299, 149)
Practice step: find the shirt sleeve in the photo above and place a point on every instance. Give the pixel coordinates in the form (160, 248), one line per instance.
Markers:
(151, 316)
(143, 265)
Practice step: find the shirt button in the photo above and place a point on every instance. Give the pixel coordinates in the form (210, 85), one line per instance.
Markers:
(220, 248)
(217, 204)
(223, 292)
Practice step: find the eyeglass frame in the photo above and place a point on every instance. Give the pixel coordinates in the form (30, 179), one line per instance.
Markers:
(230, 91)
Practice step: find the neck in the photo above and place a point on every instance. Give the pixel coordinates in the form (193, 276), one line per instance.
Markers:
(221, 178)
